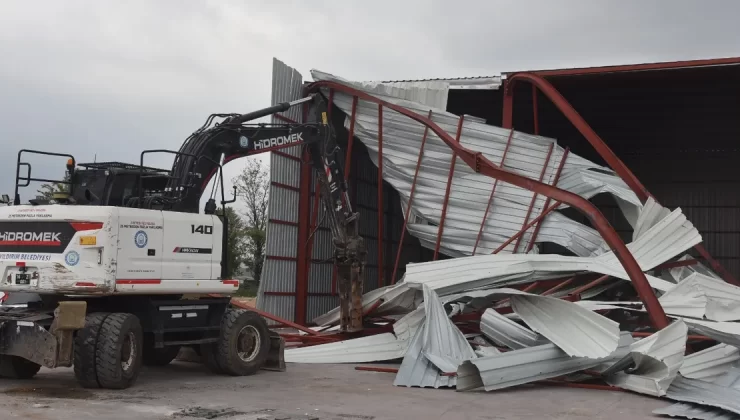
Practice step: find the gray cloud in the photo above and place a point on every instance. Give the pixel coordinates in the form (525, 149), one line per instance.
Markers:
(112, 78)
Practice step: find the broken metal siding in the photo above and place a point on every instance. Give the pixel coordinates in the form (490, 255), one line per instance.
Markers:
(279, 276)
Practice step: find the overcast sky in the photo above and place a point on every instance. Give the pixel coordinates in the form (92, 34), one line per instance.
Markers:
(115, 77)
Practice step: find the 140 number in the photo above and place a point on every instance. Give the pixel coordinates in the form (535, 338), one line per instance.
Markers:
(204, 229)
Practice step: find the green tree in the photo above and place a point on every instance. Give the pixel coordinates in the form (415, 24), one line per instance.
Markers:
(253, 187)
(237, 241)
(47, 191)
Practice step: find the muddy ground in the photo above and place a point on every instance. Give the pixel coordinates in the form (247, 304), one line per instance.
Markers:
(186, 391)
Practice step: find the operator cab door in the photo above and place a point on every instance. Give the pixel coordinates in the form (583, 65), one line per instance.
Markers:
(188, 246)
(140, 234)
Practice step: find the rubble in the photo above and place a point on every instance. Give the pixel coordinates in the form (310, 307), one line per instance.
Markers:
(500, 313)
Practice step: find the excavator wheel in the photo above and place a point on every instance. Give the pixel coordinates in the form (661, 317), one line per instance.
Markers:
(243, 346)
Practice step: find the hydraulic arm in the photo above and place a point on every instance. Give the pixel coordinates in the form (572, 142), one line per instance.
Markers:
(234, 137)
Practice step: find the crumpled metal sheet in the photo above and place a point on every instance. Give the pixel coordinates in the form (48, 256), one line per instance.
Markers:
(527, 365)
(711, 363)
(724, 393)
(657, 359)
(724, 332)
(437, 347)
(508, 333)
(695, 411)
(470, 191)
(667, 238)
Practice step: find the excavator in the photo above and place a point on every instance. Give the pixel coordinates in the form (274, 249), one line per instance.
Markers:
(118, 256)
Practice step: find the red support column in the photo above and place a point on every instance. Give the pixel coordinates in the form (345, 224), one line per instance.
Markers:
(351, 139)
(493, 190)
(411, 200)
(547, 202)
(441, 229)
(534, 196)
(381, 207)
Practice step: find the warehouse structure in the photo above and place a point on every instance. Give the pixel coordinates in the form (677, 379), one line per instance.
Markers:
(672, 124)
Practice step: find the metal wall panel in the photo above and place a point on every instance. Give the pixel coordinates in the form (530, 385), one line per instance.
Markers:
(320, 278)
(285, 171)
(319, 305)
(283, 204)
(280, 275)
(282, 240)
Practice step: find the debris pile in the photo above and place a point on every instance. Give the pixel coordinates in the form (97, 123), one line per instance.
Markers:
(497, 321)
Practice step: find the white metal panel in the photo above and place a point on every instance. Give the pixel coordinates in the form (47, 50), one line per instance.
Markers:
(508, 333)
(657, 359)
(468, 201)
(711, 363)
(722, 394)
(187, 246)
(527, 365)
(695, 411)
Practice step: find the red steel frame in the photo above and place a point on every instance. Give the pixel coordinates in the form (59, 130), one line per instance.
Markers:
(493, 191)
(446, 201)
(481, 164)
(381, 207)
(411, 199)
(604, 151)
(534, 196)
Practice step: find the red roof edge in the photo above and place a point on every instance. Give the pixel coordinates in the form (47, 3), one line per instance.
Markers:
(633, 67)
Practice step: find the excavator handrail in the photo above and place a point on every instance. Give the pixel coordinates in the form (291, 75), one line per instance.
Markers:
(481, 164)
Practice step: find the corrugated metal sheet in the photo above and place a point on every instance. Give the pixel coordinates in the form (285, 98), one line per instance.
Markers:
(506, 332)
(666, 239)
(372, 348)
(576, 330)
(657, 359)
(280, 275)
(722, 394)
(282, 240)
(711, 363)
(527, 365)
(724, 332)
(438, 347)
(469, 197)
(695, 411)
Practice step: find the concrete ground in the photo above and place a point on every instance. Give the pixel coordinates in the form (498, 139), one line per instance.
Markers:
(186, 391)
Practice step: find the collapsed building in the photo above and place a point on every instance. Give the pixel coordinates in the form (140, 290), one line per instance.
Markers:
(492, 206)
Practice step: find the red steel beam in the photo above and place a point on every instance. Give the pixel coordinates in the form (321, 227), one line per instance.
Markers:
(350, 139)
(479, 163)
(547, 202)
(676, 264)
(411, 199)
(524, 228)
(377, 369)
(273, 317)
(604, 151)
(637, 67)
(381, 207)
(557, 287)
(493, 191)
(590, 285)
(534, 196)
(446, 201)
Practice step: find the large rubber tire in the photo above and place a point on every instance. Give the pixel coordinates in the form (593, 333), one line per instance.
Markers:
(119, 353)
(159, 357)
(86, 344)
(244, 343)
(14, 367)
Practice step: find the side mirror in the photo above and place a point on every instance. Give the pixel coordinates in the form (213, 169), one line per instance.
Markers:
(5, 199)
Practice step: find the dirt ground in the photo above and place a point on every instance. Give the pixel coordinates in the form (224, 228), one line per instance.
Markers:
(186, 391)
